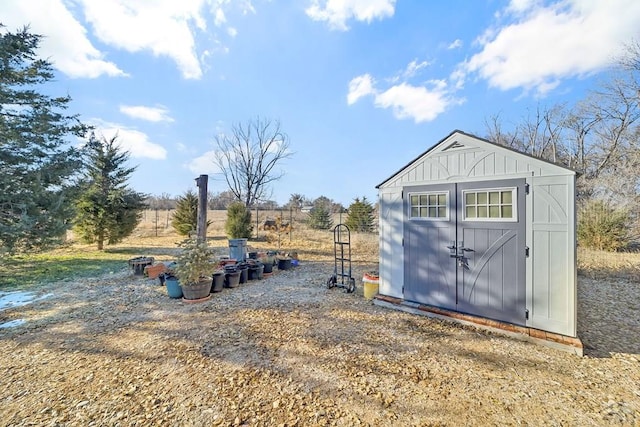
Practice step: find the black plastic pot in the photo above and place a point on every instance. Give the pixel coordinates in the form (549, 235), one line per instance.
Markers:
(267, 268)
(255, 271)
(284, 264)
(218, 281)
(244, 272)
(232, 279)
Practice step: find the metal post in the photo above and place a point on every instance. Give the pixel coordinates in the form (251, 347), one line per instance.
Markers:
(201, 226)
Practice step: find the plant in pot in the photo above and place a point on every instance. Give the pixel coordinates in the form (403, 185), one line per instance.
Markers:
(194, 268)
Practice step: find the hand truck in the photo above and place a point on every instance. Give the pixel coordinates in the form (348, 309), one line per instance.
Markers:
(342, 256)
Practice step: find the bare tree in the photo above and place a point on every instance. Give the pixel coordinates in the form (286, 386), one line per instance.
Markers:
(540, 133)
(248, 156)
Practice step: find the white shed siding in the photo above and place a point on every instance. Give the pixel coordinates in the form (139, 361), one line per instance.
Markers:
(552, 301)
(391, 220)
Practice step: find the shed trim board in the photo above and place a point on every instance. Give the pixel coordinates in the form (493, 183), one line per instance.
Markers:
(477, 228)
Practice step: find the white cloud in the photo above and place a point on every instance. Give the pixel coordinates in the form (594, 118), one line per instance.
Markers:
(204, 164)
(152, 114)
(548, 43)
(413, 68)
(163, 27)
(66, 44)
(135, 142)
(337, 12)
(359, 87)
(232, 31)
(220, 18)
(457, 43)
(421, 103)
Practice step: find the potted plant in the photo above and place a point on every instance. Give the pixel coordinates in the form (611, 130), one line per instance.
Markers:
(194, 268)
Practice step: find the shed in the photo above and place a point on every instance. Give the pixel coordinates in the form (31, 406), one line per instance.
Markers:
(474, 228)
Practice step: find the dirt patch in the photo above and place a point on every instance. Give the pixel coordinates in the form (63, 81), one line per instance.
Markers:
(288, 351)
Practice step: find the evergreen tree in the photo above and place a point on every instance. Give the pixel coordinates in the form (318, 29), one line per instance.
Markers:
(360, 215)
(320, 215)
(107, 210)
(238, 225)
(37, 163)
(185, 218)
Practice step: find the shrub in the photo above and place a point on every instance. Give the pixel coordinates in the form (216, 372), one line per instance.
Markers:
(238, 225)
(185, 218)
(320, 217)
(603, 227)
(360, 215)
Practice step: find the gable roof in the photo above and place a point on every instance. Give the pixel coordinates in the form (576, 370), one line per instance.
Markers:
(455, 145)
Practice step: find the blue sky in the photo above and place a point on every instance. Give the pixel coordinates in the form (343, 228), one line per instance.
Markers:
(361, 87)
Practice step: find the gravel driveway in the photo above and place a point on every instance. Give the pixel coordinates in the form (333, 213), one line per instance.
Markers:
(286, 351)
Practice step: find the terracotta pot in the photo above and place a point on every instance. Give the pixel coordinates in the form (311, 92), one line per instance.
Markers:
(153, 271)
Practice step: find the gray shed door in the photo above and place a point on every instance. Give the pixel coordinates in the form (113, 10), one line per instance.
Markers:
(465, 248)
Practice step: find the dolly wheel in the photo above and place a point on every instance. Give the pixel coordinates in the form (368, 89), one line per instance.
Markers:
(351, 287)
(332, 281)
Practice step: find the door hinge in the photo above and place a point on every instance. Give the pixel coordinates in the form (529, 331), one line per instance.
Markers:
(526, 251)
(402, 194)
(526, 314)
(403, 290)
(526, 188)
(403, 241)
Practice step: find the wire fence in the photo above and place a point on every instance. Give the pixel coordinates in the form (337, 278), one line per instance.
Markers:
(283, 223)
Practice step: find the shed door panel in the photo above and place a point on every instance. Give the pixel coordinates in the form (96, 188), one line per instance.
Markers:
(491, 279)
(488, 277)
(430, 276)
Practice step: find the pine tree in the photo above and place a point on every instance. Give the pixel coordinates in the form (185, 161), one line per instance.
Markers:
(320, 215)
(37, 162)
(185, 218)
(107, 210)
(360, 215)
(238, 225)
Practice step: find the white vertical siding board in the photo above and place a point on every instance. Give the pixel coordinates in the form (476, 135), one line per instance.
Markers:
(391, 232)
(541, 291)
(559, 295)
(490, 169)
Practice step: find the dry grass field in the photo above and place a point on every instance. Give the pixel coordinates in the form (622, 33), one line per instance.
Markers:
(155, 232)
(112, 349)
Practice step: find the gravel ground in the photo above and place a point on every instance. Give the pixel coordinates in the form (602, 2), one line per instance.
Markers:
(285, 351)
